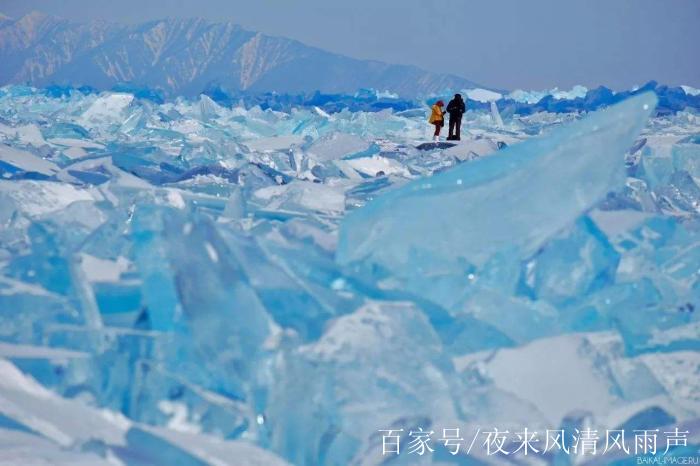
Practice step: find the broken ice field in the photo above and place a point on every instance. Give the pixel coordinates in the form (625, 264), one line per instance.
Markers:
(188, 283)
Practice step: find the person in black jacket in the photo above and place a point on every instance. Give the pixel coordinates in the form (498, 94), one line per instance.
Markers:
(455, 108)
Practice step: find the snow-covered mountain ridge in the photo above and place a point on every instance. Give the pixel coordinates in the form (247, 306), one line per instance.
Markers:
(186, 56)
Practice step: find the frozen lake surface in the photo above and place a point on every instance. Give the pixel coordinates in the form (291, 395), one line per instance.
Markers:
(184, 283)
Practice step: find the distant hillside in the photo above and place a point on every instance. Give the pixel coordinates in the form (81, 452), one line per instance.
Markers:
(185, 56)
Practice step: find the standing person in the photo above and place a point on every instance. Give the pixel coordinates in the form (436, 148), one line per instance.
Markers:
(455, 108)
(437, 118)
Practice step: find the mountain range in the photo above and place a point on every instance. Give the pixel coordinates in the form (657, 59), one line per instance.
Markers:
(187, 56)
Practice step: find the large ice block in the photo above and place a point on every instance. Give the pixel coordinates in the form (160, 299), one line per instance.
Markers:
(22, 164)
(192, 284)
(366, 371)
(571, 264)
(510, 203)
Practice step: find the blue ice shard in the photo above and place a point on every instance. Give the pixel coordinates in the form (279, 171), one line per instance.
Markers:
(572, 264)
(506, 205)
(191, 284)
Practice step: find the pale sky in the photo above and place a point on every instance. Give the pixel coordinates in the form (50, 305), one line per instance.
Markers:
(508, 44)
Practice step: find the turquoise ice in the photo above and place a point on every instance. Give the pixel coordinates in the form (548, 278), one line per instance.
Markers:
(510, 203)
(186, 282)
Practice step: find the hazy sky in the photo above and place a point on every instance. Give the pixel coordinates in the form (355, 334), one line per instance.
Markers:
(508, 44)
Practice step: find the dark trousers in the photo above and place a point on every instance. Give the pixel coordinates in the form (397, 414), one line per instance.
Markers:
(455, 125)
(438, 126)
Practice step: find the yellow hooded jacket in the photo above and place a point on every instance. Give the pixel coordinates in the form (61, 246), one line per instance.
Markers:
(436, 115)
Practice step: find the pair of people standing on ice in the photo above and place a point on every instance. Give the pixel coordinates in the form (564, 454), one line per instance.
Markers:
(456, 109)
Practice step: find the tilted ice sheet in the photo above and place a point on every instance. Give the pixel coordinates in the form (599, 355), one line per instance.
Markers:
(540, 186)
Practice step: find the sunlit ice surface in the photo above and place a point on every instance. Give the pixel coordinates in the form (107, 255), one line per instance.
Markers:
(188, 283)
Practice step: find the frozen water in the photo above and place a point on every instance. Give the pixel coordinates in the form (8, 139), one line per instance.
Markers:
(482, 95)
(49, 429)
(533, 97)
(447, 221)
(186, 282)
(14, 161)
(355, 372)
(339, 145)
(497, 120)
(570, 264)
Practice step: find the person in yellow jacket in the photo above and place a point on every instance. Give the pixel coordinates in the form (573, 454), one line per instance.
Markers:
(437, 118)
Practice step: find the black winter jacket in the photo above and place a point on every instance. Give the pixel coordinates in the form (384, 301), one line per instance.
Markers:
(456, 107)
